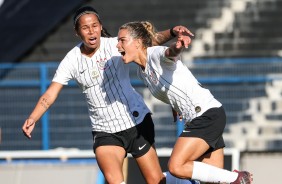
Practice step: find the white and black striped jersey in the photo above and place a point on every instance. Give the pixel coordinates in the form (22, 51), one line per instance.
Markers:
(173, 83)
(113, 104)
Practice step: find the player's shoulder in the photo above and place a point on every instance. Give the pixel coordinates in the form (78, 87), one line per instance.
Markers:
(75, 51)
(72, 55)
(156, 49)
(109, 45)
(156, 52)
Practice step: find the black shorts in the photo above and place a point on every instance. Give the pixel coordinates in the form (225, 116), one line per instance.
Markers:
(209, 127)
(136, 140)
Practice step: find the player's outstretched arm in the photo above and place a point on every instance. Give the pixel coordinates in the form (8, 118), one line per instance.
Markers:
(175, 48)
(167, 35)
(44, 102)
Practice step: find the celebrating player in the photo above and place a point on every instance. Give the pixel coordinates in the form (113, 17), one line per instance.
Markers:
(198, 152)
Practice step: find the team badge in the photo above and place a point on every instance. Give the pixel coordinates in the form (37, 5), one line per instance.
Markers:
(103, 64)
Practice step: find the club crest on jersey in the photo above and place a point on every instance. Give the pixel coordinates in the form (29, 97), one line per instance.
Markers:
(102, 63)
(153, 77)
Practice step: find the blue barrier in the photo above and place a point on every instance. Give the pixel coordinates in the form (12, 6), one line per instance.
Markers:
(10, 78)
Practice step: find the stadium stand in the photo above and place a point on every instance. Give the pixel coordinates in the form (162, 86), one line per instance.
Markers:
(164, 14)
(25, 23)
(247, 28)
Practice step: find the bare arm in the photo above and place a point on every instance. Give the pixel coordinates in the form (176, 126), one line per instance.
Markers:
(167, 35)
(43, 104)
(175, 48)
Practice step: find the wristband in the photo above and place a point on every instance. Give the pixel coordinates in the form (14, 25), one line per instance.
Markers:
(172, 33)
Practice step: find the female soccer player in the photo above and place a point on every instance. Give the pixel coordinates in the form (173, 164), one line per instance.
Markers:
(121, 122)
(198, 152)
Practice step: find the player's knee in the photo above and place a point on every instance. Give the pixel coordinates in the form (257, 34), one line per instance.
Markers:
(113, 179)
(153, 179)
(173, 169)
(176, 169)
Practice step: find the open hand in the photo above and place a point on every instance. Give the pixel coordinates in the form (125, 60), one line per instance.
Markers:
(182, 30)
(183, 41)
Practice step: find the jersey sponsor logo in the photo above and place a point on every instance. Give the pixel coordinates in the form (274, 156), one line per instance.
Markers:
(94, 72)
(141, 147)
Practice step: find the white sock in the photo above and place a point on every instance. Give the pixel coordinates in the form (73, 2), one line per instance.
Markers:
(209, 173)
(170, 179)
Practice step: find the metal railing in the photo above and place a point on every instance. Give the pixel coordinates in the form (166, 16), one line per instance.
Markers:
(29, 80)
